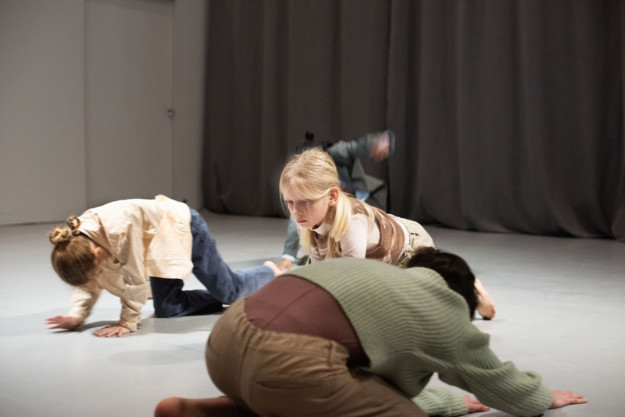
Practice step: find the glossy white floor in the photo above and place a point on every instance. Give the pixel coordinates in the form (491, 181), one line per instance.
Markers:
(560, 311)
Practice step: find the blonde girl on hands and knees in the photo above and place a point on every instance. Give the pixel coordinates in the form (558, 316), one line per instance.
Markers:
(334, 224)
(348, 157)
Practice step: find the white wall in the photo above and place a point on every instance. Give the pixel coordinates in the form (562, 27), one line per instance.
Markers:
(190, 28)
(42, 146)
(51, 162)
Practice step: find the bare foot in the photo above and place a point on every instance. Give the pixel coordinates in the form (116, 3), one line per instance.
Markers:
(169, 407)
(276, 270)
(485, 304)
(201, 407)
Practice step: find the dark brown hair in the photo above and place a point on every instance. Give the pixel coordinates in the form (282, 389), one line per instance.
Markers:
(454, 270)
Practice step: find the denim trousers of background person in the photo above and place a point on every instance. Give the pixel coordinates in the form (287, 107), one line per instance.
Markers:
(223, 286)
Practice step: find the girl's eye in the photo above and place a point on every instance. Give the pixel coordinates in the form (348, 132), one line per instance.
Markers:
(299, 204)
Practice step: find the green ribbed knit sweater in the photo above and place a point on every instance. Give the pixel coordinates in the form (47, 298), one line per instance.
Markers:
(411, 325)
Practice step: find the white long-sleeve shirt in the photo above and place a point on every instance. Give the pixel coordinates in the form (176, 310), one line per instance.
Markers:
(145, 238)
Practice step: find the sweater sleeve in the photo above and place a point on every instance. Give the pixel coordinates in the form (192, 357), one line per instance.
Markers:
(133, 299)
(125, 236)
(436, 401)
(497, 384)
(83, 300)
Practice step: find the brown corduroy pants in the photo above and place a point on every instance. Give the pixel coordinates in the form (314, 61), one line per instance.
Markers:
(285, 374)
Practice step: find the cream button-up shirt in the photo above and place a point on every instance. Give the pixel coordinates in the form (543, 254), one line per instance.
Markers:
(145, 238)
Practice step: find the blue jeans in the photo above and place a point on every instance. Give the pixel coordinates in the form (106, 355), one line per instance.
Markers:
(223, 286)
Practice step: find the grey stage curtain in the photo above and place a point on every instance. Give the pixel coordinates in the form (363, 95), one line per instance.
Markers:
(275, 70)
(508, 114)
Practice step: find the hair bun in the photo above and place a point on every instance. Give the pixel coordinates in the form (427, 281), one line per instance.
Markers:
(60, 235)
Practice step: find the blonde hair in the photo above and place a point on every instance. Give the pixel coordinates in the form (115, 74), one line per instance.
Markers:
(72, 258)
(313, 174)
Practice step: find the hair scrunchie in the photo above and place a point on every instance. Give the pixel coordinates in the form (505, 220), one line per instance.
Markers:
(73, 222)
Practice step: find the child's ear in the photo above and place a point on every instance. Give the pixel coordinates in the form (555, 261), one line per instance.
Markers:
(99, 252)
(333, 196)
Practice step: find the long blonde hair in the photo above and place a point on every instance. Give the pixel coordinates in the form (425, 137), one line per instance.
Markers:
(313, 174)
(72, 258)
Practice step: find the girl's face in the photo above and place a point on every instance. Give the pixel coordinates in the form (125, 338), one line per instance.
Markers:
(309, 213)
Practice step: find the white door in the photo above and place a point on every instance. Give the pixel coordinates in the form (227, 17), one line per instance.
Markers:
(128, 94)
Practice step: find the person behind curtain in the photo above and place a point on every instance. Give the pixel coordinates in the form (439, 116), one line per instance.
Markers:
(357, 337)
(347, 156)
(334, 224)
(132, 248)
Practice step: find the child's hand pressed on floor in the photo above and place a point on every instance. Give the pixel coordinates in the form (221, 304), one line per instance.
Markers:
(63, 322)
(112, 331)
